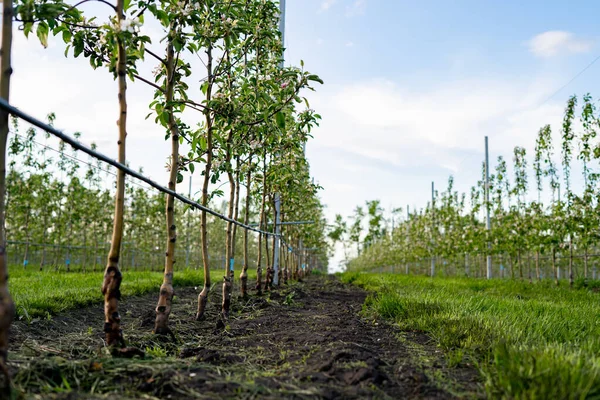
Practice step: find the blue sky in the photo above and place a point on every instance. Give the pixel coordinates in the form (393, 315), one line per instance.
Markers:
(411, 89)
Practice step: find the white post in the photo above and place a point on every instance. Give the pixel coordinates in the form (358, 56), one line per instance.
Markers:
(282, 25)
(277, 196)
(487, 207)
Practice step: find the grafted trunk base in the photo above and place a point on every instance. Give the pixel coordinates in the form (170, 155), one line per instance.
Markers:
(163, 310)
(202, 301)
(7, 314)
(244, 283)
(259, 281)
(226, 297)
(269, 279)
(111, 289)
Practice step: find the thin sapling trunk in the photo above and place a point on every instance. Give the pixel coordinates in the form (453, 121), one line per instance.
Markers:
(163, 308)
(7, 307)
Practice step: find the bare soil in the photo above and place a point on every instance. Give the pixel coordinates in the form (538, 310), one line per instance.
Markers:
(307, 340)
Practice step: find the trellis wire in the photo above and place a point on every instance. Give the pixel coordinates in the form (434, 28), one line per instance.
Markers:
(128, 171)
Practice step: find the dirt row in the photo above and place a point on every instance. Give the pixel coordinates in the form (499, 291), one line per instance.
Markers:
(308, 340)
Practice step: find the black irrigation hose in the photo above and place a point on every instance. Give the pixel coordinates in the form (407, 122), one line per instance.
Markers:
(78, 146)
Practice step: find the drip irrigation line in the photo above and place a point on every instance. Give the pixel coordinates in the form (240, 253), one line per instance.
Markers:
(4, 105)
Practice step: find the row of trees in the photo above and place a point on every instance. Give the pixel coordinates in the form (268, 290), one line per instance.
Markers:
(526, 235)
(59, 213)
(251, 132)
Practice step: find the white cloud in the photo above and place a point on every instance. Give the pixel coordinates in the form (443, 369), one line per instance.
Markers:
(320, 41)
(326, 5)
(553, 43)
(357, 7)
(349, 44)
(389, 142)
(380, 139)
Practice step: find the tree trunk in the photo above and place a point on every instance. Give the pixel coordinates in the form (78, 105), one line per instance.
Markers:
(262, 227)
(520, 264)
(203, 296)
(229, 256)
(68, 261)
(236, 211)
(554, 265)
(7, 307)
(286, 261)
(236, 214)
(571, 260)
(244, 273)
(296, 265)
(529, 266)
(537, 265)
(270, 255)
(111, 287)
(44, 233)
(85, 249)
(28, 239)
(95, 254)
(163, 308)
(585, 263)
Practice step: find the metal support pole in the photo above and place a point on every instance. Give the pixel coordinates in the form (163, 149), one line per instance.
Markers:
(282, 27)
(300, 252)
(276, 242)
(487, 207)
(432, 229)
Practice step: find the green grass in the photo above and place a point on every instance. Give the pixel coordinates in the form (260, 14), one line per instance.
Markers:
(42, 294)
(530, 341)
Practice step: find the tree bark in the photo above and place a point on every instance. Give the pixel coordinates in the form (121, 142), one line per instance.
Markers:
(163, 308)
(7, 307)
(244, 273)
(269, 258)
(262, 227)
(537, 266)
(203, 296)
(554, 266)
(229, 266)
(111, 287)
(236, 211)
(585, 263)
(571, 260)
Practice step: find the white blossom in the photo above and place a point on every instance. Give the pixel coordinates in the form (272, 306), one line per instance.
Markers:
(130, 25)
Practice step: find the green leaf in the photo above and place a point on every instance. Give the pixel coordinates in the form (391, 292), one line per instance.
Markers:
(280, 118)
(42, 33)
(192, 167)
(66, 35)
(204, 87)
(314, 78)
